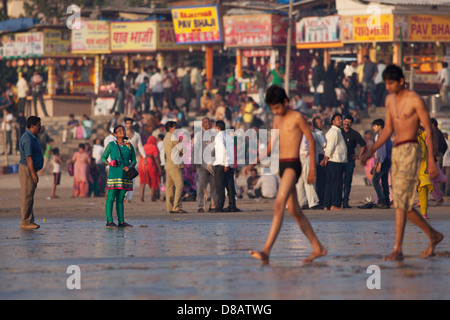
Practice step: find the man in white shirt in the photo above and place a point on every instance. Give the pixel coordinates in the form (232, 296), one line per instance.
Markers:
(204, 171)
(321, 171)
(306, 192)
(135, 139)
(157, 89)
(22, 92)
(223, 169)
(7, 126)
(444, 83)
(267, 184)
(334, 159)
(167, 78)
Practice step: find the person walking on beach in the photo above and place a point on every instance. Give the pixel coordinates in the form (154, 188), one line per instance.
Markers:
(404, 110)
(292, 126)
(31, 161)
(123, 158)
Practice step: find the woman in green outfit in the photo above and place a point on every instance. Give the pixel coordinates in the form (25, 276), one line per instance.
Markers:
(118, 183)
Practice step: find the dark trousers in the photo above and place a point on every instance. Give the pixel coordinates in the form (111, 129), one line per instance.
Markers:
(158, 100)
(321, 178)
(224, 180)
(383, 189)
(349, 167)
(333, 190)
(36, 96)
(21, 105)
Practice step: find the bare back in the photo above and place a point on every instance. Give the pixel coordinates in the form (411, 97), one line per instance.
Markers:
(403, 114)
(290, 133)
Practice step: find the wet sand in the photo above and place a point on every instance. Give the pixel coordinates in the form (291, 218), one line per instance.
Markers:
(205, 255)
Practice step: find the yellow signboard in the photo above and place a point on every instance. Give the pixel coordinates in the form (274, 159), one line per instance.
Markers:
(197, 24)
(133, 36)
(367, 28)
(428, 28)
(143, 36)
(57, 43)
(92, 37)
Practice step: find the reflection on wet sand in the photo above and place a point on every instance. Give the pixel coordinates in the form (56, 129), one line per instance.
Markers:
(176, 259)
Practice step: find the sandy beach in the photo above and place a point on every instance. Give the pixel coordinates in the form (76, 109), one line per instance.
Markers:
(205, 255)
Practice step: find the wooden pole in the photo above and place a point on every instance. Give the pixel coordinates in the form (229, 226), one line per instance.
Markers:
(209, 55)
(4, 138)
(288, 50)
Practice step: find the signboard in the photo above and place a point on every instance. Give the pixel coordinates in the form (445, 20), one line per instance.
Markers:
(143, 36)
(318, 32)
(255, 30)
(356, 29)
(167, 38)
(92, 37)
(22, 45)
(428, 28)
(133, 36)
(57, 43)
(197, 24)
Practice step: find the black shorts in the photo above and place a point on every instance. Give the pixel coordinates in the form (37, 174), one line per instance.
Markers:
(56, 178)
(293, 164)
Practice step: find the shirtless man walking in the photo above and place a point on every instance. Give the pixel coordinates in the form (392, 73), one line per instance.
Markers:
(404, 110)
(291, 126)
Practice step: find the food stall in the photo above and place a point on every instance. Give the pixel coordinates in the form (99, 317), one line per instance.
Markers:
(259, 40)
(46, 49)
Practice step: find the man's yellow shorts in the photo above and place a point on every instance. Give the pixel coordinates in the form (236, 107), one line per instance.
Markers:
(405, 168)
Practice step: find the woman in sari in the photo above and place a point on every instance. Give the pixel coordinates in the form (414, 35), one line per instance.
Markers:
(81, 177)
(150, 173)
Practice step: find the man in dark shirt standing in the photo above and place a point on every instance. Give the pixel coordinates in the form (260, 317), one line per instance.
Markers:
(352, 138)
(31, 161)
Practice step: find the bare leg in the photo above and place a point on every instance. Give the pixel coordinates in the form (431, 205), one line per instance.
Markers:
(434, 236)
(287, 184)
(305, 226)
(417, 219)
(54, 192)
(142, 192)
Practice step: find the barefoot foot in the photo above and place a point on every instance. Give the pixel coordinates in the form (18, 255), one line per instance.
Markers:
(260, 256)
(394, 256)
(315, 254)
(435, 239)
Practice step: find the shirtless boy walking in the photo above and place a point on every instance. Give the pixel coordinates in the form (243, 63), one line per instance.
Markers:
(291, 126)
(404, 110)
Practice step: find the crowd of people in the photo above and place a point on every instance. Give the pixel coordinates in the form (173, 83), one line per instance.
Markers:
(316, 163)
(151, 104)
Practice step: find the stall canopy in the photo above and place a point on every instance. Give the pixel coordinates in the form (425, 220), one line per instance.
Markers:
(17, 24)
